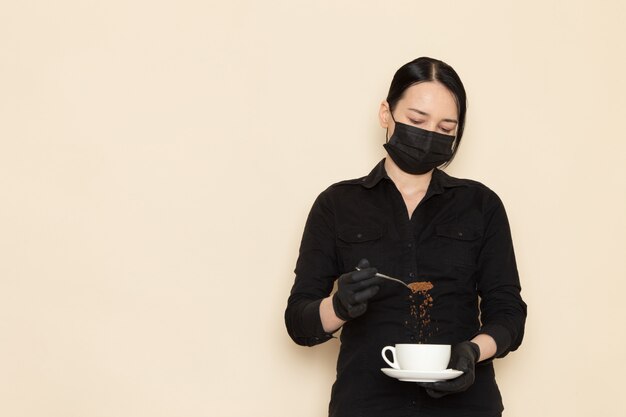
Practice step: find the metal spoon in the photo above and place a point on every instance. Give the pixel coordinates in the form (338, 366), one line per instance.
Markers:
(390, 278)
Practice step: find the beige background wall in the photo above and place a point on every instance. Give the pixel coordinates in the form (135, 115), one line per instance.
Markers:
(158, 160)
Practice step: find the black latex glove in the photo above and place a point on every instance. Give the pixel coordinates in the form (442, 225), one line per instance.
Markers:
(354, 289)
(463, 357)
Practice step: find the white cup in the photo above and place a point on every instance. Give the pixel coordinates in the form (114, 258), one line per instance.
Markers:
(418, 357)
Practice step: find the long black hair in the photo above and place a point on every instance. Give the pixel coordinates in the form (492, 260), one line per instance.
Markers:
(430, 69)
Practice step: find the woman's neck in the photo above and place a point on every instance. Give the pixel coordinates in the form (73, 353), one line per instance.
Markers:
(407, 184)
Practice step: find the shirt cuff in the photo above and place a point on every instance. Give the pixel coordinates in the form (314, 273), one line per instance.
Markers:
(501, 335)
(313, 322)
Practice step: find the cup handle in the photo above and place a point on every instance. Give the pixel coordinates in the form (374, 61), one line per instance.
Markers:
(393, 364)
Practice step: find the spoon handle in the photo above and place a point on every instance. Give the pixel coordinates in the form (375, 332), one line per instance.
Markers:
(392, 279)
(389, 278)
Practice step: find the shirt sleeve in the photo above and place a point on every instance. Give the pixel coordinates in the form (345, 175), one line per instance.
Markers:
(316, 270)
(503, 312)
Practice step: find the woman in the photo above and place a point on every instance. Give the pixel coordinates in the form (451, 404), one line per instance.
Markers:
(410, 220)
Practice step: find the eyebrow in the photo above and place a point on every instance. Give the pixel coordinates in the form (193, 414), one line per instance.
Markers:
(423, 113)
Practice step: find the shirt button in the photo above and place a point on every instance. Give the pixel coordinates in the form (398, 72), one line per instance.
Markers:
(412, 338)
(413, 402)
(412, 274)
(359, 235)
(410, 245)
(460, 234)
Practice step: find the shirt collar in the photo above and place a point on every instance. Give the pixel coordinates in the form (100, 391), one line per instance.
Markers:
(375, 176)
(439, 181)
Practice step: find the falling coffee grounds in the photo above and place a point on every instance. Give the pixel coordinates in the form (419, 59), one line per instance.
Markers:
(421, 302)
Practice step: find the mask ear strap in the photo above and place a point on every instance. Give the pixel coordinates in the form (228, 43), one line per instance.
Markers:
(387, 131)
(456, 131)
(456, 135)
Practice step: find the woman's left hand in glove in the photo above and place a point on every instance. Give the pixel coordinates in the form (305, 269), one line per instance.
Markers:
(463, 357)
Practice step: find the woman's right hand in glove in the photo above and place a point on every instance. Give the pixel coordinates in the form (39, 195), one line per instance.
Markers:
(354, 290)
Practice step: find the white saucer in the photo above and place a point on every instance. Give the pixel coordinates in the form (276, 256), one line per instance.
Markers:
(420, 376)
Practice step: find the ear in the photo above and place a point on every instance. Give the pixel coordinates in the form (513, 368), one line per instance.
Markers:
(384, 114)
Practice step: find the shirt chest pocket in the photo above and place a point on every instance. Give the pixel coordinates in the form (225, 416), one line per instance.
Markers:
(355, 243)
(458, 244)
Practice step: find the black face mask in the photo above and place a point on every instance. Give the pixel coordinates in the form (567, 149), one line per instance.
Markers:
(417, 151)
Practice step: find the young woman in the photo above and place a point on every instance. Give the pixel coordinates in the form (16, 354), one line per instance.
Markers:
(410, 220)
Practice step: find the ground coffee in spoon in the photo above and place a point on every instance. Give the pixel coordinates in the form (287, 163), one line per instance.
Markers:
(420, 286)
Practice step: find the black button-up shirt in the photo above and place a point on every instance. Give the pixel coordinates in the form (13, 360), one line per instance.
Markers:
(458, 239)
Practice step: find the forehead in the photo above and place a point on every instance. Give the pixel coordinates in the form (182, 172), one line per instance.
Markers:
(430, 97)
